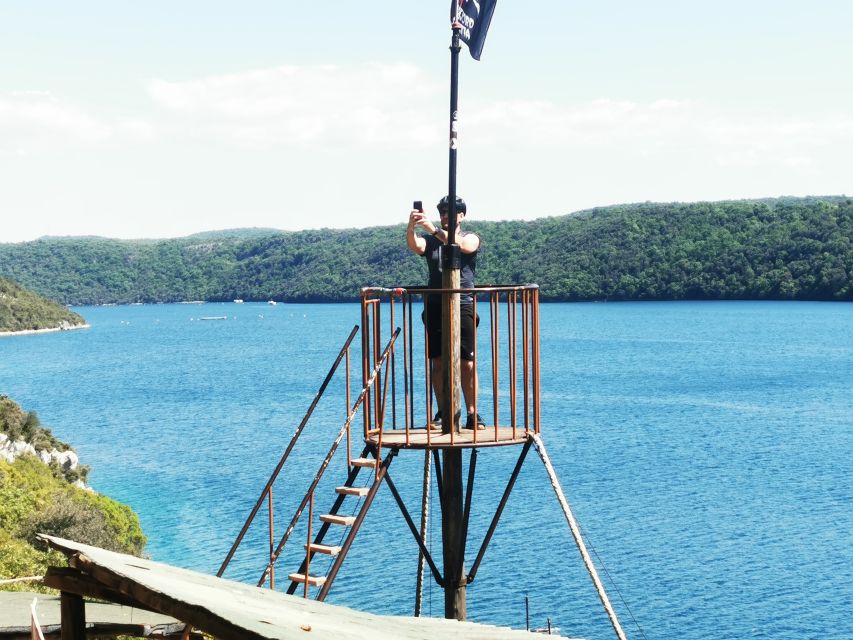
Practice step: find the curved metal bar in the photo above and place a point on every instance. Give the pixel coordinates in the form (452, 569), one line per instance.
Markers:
(475, 289)
(398, 291)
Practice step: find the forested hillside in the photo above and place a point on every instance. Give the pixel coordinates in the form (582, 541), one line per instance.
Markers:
(788, 248)
(22, 310)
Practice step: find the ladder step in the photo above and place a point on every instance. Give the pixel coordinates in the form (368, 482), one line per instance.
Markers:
(353, 491)
(364, 462)
(323, 548)
(331, 518)
(314, 581)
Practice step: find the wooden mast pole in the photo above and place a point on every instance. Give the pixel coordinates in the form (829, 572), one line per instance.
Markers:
(452, 528)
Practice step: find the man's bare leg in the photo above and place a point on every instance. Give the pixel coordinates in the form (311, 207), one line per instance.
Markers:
(435, 374)
(469, 385)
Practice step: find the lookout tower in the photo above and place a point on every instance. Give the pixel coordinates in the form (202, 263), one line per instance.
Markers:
(390, 416)
(396, 404)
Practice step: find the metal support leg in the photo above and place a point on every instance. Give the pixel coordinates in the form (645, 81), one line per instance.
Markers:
(413, 529)
(499, 511)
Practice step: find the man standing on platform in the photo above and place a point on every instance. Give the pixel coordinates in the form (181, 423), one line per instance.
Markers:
(430, 246)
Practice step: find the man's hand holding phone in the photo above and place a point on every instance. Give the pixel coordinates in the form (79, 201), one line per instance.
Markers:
(417, 216)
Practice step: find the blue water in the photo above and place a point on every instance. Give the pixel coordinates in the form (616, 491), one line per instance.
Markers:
(705, 447)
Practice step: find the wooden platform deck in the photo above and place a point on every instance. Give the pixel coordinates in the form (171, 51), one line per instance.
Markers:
(464, 439)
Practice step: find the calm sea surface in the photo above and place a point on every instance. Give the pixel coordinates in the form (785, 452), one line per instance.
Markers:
(707, 449)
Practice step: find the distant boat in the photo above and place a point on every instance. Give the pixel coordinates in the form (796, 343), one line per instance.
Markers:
(238, 301)
(272, 302)
(213, 318)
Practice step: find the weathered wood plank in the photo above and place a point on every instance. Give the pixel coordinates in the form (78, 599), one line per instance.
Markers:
(230, 610)
(73, 616)
(75, 581)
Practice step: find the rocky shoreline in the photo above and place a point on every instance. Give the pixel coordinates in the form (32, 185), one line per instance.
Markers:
(63, 327)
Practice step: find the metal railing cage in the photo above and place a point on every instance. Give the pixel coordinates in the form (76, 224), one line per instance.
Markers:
(506, 356)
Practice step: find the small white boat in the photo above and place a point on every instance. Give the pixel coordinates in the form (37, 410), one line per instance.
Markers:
(272, 302)
(238, 301)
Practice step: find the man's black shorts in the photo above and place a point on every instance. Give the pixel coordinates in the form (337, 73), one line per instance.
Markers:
(432, 317)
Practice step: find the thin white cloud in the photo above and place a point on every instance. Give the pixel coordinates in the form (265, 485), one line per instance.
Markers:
(38, 122)
(293, 89)
(374, 104)
(33, 121)
(394, 106)
(661, 127)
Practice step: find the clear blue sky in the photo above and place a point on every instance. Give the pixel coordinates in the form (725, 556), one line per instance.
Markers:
(160, 119)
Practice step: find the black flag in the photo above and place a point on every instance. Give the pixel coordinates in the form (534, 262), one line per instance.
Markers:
(474, 16)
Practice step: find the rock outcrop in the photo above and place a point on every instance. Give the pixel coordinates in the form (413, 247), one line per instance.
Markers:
(11, 450)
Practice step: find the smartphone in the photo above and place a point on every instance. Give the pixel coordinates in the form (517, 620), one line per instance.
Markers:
(417, 205)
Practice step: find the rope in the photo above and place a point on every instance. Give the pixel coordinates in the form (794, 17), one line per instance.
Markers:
(419, 588)
(613, 582)
(430, 550)
(24, 579)
(576, 534)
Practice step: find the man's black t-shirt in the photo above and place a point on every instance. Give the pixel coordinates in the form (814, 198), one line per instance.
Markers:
(466, 273)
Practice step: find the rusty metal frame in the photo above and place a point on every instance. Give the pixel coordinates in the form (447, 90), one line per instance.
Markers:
(309, 551)
(365, 392)
(494, 301)
(472, 466)
(439, 579)
(365, 350)
(488, 537)
(407, 334)
(536, 363)
(513, 357)
(393, 362)
(267, 491)
(271, 540)
(474, 373)
(521, 390)
(377, 333)
(438, 480)
(518, 304)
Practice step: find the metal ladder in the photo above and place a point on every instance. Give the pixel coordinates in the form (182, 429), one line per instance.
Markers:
(333, 520)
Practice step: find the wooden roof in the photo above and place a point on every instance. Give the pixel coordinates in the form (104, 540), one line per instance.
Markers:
(232, 610)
